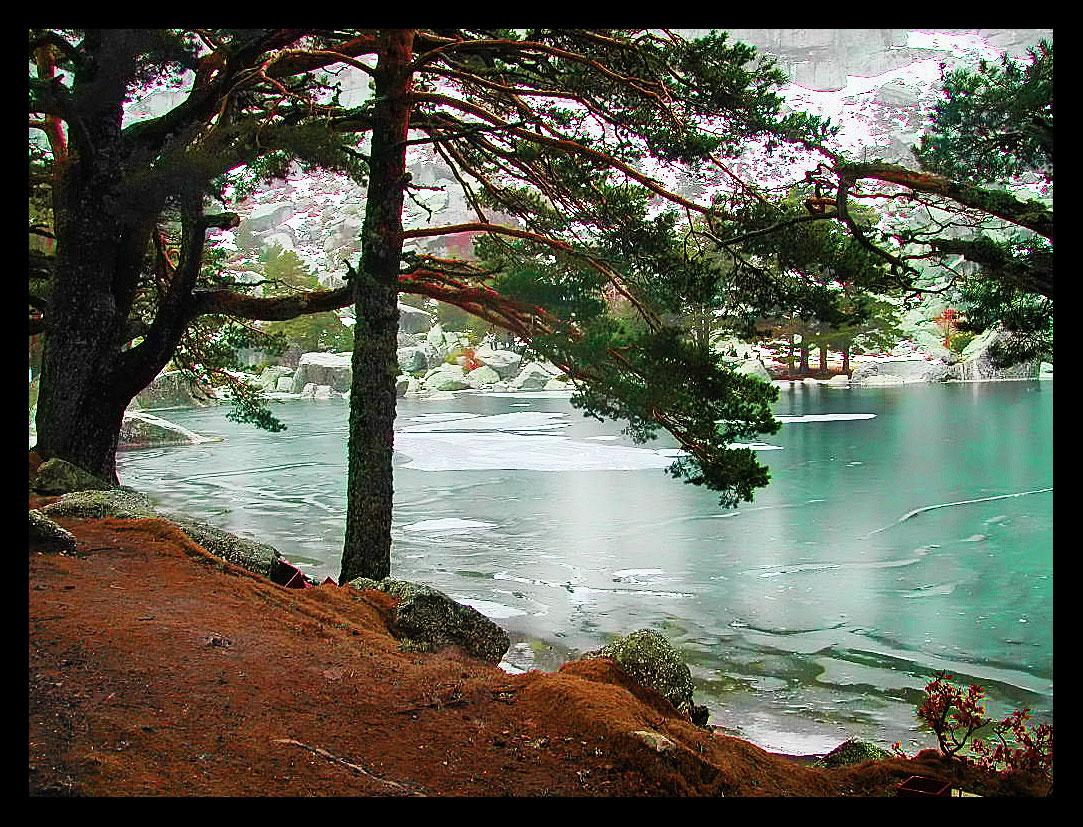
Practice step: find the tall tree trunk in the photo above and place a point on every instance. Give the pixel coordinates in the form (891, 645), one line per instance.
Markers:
(823, 358)
(846, 358)
(79, 411)
(369, 491)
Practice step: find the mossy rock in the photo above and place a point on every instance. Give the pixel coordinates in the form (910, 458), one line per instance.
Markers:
(653, 661)
(250, 555)
(57, 476)
(428, 619)
(123, 503)
(853, 751)
(127, 504)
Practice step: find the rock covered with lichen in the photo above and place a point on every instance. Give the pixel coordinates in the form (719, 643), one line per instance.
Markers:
(427, 618)
(58, 476)
(114, 502)
(127, 504)
(853, 751)
(654, 662)
(250, 555)
(49, 536)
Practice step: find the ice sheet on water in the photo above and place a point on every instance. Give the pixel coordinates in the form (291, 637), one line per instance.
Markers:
(639, 576)
(449, 525)
(436, 451)
(830, 417)
(518, 421)
(490, 608)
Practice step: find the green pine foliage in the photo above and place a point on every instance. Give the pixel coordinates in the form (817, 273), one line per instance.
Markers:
(995, 123)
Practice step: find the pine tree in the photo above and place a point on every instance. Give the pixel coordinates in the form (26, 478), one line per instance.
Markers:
(568, 134)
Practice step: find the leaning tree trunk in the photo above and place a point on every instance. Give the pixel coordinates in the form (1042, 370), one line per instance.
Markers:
(369, 489)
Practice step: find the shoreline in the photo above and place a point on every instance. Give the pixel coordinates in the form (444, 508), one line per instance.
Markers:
(174, 673)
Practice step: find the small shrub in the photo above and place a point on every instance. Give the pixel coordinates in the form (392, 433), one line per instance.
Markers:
(957, 716)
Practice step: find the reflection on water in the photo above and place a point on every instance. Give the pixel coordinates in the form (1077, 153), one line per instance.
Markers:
(905, 530)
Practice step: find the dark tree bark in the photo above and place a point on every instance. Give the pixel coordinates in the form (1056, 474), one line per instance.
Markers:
(99, 249)
(369, 493)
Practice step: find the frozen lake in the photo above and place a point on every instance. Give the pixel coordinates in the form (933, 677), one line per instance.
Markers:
(905, 530)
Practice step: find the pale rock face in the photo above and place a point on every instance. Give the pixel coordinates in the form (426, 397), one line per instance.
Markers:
(323, 369)
(533, 377)
(446, 378)
(142, 430)
(271, 377)
(900, 371)
(413, 319)
(978, 363)
(480, 377)
(414, 359)
(754, 367)
(504, 362)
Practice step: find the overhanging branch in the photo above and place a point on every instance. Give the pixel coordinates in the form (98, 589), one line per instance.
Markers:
(1033, 215)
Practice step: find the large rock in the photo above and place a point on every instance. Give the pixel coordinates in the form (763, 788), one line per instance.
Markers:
(248, 554)
(172, 389)
(653, 662)
(505, 362)
(116, 502)
(429, 619)
(446, 378)
(57, 476)
(533, 377)
(48, 536)
(481, 377)
(853, 752)
(753, 367)
(900, 372)
(142, 430)
(414, 319)
(323, 369)
(979, 362)
(125, 503)
(418, 358)
(269, 379)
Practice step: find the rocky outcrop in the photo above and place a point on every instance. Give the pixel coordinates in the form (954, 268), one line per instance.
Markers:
(171, 389)
(125, 503)
(979, 360)
(505, 362)
(317, 369)
(653, 662)
(116, 502)
(481, 377)
(900, 372)
(428, 619)
(251, 555)
(418, 358)
(414, 319)
(446, 377)
(853, 751)
(269, 379)
(142, 430)
(57, 476)
(753, 367)
(533, 377)
(48, 536)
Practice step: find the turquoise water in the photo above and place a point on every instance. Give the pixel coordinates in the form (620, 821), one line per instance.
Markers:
(906, 530)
